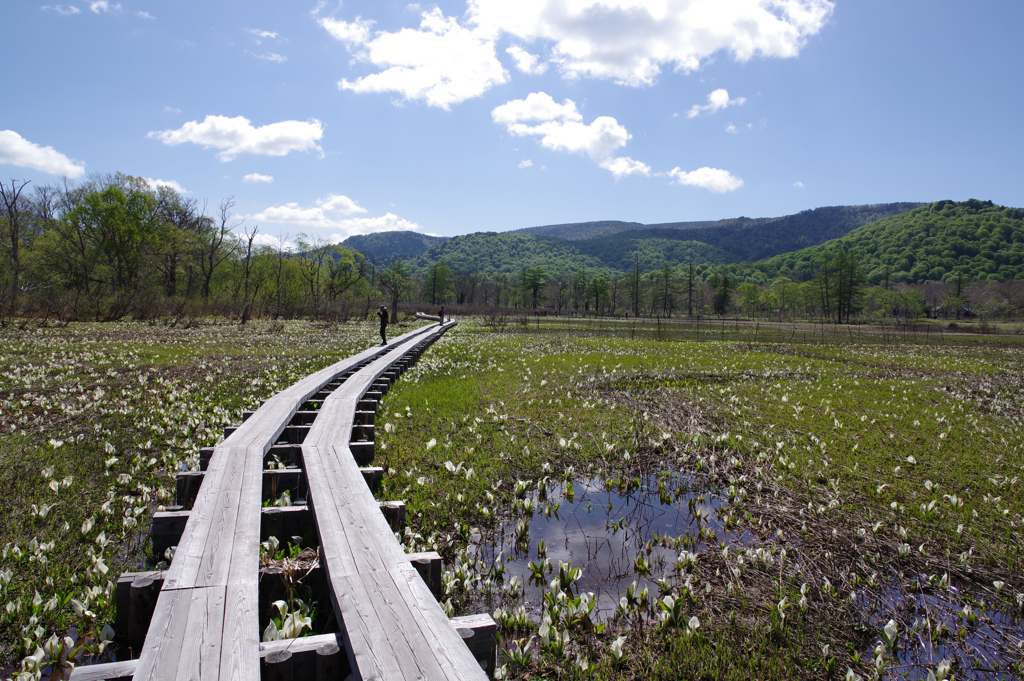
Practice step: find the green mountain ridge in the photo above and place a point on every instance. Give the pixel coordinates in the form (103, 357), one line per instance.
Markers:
(972, 240)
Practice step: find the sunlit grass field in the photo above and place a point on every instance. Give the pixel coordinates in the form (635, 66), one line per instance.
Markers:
(774, 496)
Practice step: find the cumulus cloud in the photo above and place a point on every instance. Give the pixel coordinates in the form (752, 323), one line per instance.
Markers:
(445, 62)
(441, 63)
(717, 100)
(18, 151)
(525, 163)
(144, 15)
(714, 180)
(234, 136)
(529, 64)
(333, 212)
(170, 184)
(624, 166)
(352, 33)
(256, 178)
(63, 10)
(630, 41)
(103, 6)
(798, 185)
(560, 126)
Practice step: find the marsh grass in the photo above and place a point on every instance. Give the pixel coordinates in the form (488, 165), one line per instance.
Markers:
(95, 421)
(881, 480)
(890, 468)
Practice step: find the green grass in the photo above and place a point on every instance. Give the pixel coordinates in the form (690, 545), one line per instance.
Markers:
(798, 438)
(818, 428)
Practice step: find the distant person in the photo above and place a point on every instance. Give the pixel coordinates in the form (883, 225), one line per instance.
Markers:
(440, 314)
(383, 314)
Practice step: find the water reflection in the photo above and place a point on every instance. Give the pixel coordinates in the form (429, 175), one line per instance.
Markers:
(604, 526)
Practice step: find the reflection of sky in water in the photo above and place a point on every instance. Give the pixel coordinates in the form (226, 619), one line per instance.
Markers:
(993, 630)
(582, 535)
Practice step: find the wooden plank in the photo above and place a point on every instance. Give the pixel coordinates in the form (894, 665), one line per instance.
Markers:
(206, 620)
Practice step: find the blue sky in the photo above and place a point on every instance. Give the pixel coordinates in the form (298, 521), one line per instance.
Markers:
(333, 119)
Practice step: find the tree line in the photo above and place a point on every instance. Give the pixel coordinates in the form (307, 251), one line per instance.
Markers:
(114, 247)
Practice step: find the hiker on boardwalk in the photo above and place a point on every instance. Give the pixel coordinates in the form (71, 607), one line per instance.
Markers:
(440, 314)
(383, 314)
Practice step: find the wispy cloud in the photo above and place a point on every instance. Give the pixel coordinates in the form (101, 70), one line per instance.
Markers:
(525, 163)
(255, 178)
(798, 185)
(172, 109)
(144, 15)
(269, 56)
(63, 10)
(18, 151)
(104, 7)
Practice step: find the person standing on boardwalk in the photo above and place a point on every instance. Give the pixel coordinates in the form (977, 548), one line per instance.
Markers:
(440, 314)
(383, 314)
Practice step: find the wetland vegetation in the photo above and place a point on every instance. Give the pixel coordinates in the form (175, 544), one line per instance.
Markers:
(769, 502)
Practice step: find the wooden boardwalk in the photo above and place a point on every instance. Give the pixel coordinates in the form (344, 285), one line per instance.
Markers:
(203, 613)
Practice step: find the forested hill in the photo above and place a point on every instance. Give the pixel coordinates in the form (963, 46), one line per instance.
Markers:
(381, 248)
(725, 242)
(814, 226)
(974, 240)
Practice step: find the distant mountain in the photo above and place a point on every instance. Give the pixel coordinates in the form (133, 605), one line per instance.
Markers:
(817, 225)
(590, 230)
(609, 247)
(719, 243)
(975, 240)
(381, 248)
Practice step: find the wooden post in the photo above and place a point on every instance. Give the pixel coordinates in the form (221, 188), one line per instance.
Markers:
(278, 666)
(330, 663)
(142, 602)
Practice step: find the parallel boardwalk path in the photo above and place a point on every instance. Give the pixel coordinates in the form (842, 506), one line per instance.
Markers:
(204, 611)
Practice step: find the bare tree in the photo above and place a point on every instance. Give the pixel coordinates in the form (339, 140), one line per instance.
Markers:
(14, 210)
(215, 247)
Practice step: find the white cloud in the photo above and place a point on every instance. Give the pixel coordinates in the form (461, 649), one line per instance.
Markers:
(332, 212)
(257, 178)
(269, 56)
(259, 35)
(144, 15)
(441, 63)
(734, 129)
(624, 166)
(170, 184)
(100, 6)
(798, 185)
(560, 126)
(63, 10)
(18, 151)
(714, 180)
(538, 106)
(529, 64)
(172, 109)
(525, 163)
(352, 33)
(629, 41)
(717, 100)
(237, 135)
(389, 222)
